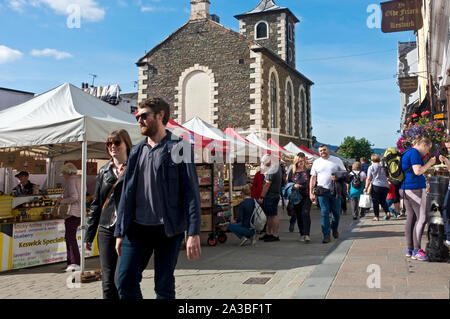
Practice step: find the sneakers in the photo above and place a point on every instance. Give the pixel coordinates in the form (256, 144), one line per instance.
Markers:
(301, 239)
(409, 253)
(386, 217)
(271, 238)
(244, 240)
(419, 255)
(307, 239)
(264, 237)
(73, 267)
(335, 234)
(326, 240)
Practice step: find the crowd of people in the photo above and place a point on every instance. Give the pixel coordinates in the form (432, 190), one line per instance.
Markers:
(146, 203)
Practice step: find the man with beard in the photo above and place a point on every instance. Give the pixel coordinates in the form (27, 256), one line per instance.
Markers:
(159, 202)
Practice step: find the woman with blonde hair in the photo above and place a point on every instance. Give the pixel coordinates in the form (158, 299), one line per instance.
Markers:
(300, 176)
(72, 197)
(413, 192)
(376, 175)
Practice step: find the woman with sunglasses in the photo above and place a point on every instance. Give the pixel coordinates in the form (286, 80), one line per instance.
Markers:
(103, 213)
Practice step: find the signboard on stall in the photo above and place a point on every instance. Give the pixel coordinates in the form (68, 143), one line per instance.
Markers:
(401, 15)
(439, 116)
(23, 163)
(40, 243)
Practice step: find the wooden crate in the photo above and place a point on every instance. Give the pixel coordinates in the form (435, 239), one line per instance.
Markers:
(6, 206)
(206, 199)
(204, 177)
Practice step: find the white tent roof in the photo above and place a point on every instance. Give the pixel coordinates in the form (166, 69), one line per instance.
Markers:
(291, 147)
(200, 127)
(261, 143)
(62, 115)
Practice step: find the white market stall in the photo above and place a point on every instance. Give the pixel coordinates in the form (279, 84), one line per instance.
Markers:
(55, 123)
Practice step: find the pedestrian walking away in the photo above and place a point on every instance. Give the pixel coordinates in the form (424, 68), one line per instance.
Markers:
(322, 175)
(159, 202)
(414, 195)
(270, 196)
(103, 210)
(300, 177)
(376, 176)
(356, 188)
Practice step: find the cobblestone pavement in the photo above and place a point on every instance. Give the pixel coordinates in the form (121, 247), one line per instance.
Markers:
(285, 269)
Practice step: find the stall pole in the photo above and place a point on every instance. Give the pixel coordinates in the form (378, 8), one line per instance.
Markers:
(83, 198)
(231, 190)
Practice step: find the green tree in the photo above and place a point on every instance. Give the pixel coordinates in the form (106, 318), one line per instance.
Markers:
(353, 148)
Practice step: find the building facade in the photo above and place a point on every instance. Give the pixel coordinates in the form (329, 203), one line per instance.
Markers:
(246, 79)
(9, 97)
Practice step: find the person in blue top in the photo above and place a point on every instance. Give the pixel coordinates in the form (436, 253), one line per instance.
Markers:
(413, 192)
(355, 193)
(241, 228)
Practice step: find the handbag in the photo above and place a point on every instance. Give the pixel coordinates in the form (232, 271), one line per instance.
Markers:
(61, 211)
(369, 189)
(290, 210)
(365, 201)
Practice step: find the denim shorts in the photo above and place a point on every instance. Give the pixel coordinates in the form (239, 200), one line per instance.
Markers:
(270, 206)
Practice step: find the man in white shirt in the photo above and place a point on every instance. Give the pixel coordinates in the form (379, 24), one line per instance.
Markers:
(322, 172)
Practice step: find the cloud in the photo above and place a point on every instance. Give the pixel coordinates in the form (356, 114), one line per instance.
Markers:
(58, 55)
(9, 55)
(89, 9)
(159, 9)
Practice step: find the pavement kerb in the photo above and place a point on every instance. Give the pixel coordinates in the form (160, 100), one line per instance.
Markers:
(321, 279)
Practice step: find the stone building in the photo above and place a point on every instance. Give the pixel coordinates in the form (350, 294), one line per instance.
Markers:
(245, 80)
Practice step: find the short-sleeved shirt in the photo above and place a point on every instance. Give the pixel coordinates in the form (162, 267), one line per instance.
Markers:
(377, 174)
(324, 168)
(412, 181)
(275, 178)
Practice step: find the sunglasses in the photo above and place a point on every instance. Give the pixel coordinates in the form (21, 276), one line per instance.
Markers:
(116, 143)
(144, 116)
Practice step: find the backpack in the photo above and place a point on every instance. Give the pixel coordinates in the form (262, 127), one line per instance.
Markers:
(356, 180)
(392, 164)
(436, 250)
(258, 219)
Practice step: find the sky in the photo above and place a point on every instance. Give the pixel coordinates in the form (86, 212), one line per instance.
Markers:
(44, 43)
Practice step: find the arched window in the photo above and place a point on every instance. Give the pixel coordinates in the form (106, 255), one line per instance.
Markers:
(261, 30)
(303, 114)
(197, 96)
(273, 102)
(289, 109)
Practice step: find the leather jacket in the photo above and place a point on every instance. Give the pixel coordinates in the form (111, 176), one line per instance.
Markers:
(99, 215)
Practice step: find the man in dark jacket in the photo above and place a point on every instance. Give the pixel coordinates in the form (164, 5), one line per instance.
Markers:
(25, 187)
(160, 200)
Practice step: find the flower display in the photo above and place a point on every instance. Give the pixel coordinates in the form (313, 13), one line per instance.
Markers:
(434, 130)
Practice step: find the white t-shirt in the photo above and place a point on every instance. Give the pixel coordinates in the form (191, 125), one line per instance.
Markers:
(362, 176)
(323, 168)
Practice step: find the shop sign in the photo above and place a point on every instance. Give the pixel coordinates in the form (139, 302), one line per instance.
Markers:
(408, 85)
(439, 116)
(401, 15)
(40, 243)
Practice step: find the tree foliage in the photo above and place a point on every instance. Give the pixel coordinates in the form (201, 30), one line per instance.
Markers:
(354, 148)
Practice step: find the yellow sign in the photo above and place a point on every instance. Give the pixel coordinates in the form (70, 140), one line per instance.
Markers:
(439, 116)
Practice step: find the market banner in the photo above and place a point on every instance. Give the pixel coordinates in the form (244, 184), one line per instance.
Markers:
(401, 15)
(40, 243)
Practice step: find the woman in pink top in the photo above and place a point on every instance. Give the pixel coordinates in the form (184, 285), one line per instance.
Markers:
(72, 196)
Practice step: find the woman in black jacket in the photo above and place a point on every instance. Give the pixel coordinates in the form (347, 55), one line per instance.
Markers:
(103, 209)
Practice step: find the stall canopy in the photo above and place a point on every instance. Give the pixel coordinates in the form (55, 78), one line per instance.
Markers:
(63, 115)
(234, 146)
(307, 150)
(291, 147)
(198, 141)
(253, 138)
(66, 115)
(278, 146)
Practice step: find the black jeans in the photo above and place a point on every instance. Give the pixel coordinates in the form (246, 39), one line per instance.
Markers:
(108, 261)
(137, 249)
(302, 211)
(379, 195)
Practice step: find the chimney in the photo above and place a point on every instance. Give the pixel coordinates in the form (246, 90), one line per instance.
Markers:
(200, 9)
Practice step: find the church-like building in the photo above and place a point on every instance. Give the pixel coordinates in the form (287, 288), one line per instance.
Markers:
(246, 80)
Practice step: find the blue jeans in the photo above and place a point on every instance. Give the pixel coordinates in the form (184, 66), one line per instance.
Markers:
(389, 203)
(241, 231)
(329, 204)
(446, 214)
(137, 248)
